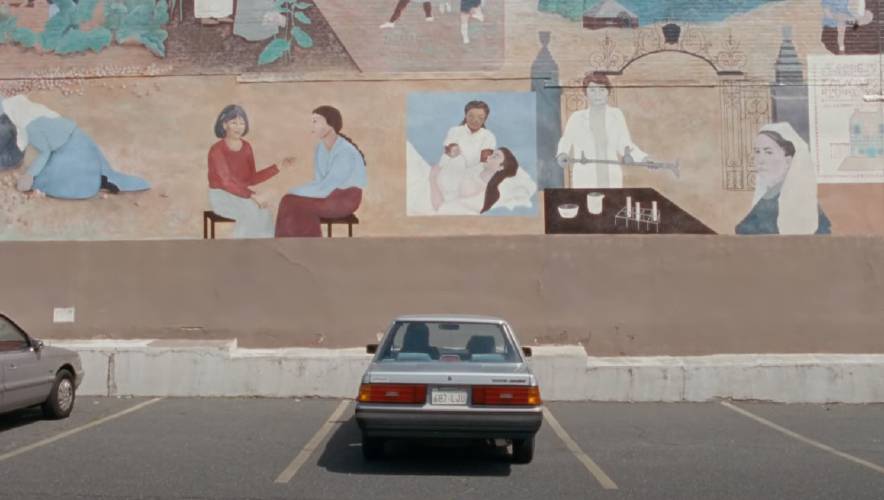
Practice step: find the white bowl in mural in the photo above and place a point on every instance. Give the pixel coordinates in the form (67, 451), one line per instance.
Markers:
(568, 210)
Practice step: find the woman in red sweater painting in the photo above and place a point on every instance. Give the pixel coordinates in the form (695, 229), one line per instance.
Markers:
(232, 173)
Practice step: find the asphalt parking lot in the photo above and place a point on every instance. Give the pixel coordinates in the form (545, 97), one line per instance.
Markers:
(289, 448)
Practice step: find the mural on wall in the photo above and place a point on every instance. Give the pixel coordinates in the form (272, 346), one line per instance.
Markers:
(848, 139)
(596, 143)
(339, 178)
(69, 165)
(150, 37)
(852, 26)
(471, 154)
(185, 37)
(633, 13)
(233, 177)
(334, 192)
(785, 200)
(405, 35)
(707, 117)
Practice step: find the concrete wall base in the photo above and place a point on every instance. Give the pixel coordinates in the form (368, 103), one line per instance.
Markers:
(220, 368)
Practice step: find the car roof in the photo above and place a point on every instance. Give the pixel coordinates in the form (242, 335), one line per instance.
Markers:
(452, 318)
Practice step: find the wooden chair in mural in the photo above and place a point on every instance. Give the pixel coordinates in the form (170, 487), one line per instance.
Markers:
(210, 218)
(349, 220)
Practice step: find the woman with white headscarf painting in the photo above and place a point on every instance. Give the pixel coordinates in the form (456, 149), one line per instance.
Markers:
(785, 199)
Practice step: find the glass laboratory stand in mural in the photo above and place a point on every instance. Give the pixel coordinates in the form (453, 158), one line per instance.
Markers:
(79, 38)
(616, 211)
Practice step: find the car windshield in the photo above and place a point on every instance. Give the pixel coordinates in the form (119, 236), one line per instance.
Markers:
(448, 341)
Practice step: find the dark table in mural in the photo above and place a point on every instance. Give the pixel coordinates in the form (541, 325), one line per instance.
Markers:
(672, 219)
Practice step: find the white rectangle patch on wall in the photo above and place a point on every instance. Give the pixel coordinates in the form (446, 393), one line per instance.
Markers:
(63, 315)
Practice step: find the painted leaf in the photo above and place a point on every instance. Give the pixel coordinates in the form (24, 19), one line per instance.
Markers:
(7, 26)
(57, 25)
(301, 5)
(84, 11)
(75, 41)
(303, 39)
(155, 41)
(273, 51)
(99, 38)
(280, 5)
(161, 14)
(136, 22)
(114, 12)
(300, 16)
(24, 37)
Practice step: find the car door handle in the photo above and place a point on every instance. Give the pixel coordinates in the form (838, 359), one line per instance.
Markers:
(12, 367)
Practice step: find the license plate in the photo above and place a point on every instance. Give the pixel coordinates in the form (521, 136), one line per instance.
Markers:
(448, 397)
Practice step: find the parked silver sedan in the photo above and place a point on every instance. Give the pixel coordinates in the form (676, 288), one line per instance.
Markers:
(459, 377)
(34, 374)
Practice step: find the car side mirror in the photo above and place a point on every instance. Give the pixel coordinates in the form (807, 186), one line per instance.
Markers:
(371, 348)
(37, 345)
(527, 352)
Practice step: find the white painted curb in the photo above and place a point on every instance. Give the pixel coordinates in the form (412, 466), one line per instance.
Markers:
(566, 373)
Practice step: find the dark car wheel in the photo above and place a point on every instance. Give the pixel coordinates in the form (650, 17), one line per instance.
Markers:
(372, 448)
(61, 399)
(523, 450)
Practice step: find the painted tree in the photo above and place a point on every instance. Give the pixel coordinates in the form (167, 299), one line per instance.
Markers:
(289, 13)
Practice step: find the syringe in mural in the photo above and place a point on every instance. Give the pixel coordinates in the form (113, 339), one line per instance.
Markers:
(567, 161)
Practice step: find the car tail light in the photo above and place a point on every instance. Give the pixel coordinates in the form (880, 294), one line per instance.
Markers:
(506, 395)
(393, 393)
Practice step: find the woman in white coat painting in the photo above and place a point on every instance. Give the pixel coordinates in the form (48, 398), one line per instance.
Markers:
(598, 132)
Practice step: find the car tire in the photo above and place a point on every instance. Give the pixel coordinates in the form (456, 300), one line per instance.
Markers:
(523, 450)
(372, 448)
(61, 400)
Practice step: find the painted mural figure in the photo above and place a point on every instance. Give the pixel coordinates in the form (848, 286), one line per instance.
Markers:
(785, 199)
(469, 9)
(400, 6)
(213, 12)
(841, 14)
(257, 20)
(480, 188)
(466, 147)
(69, 164)
(598, 132)
(336, 191)
(232, 172)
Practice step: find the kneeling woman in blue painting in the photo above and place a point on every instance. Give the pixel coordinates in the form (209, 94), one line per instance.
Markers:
(785, 199)
(69, 164)
(336, 191)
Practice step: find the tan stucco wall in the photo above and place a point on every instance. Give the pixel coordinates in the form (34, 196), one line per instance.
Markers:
(625, 296)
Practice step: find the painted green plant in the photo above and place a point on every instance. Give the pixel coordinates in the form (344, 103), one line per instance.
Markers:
(139, 20)
(288, 13)
(62, 33)
(11, 33)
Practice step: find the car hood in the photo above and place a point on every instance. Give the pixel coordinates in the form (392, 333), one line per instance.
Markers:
(61, 353)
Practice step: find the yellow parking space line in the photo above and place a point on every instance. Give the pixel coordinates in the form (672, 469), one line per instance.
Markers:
(301, 458)
(803, 439)
(587, 462)
(71, 432)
